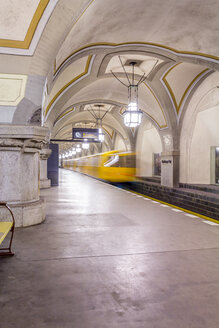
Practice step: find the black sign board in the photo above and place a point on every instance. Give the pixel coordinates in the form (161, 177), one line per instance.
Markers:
(84, 133)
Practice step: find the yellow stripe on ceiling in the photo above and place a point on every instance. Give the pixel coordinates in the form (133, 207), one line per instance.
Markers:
(169, 87)
(69, 83)
(30, 32)
(178, 106)
(189, 86)
(134, 43)
(107, 131)
(63, 114)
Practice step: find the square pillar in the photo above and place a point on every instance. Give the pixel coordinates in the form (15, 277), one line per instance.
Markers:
(44, 181)
(170, 169)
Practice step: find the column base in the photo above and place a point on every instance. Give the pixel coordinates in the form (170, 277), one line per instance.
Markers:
(28, 214)
(46, 183)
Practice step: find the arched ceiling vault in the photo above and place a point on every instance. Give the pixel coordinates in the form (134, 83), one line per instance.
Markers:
(72, 46)
(112, 123)
(162, 95)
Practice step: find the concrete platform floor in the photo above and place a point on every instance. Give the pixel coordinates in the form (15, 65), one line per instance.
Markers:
(108, 258)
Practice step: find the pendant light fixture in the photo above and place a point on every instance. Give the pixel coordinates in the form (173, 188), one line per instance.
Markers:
(85, 144)
(133, 115)
(98, 117)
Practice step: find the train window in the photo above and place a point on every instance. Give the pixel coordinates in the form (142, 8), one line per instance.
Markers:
(94, 161)
(121, 161)
(130, 161)
(112, 161)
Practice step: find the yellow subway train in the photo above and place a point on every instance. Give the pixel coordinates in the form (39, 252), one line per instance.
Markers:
(113, 166)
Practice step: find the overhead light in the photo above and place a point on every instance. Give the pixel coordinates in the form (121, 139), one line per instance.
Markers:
(101, 135)
(85, 145)
(78, 149)
(133, 115)
(96, 113)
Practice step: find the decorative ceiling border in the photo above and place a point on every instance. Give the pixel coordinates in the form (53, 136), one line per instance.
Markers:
(171, 50)
(170, 91)
(35, 29)
(70, 83)
(22, 87)
(161, 108)
(187, 91)
(31, 29)
(107, 131)
(63, 114)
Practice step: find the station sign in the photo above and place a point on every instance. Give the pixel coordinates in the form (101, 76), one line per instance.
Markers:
(84, 133)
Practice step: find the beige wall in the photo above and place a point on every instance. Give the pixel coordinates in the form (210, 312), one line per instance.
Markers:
(206, 134)
(119, 143)
(147, 145)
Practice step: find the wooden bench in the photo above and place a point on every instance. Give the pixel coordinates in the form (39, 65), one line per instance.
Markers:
(6, 227)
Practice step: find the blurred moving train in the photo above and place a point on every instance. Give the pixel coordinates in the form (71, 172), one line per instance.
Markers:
(113, 166)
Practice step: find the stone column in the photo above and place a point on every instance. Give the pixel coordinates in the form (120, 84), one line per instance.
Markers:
(44, 155)
(19, 171)
(170, 169)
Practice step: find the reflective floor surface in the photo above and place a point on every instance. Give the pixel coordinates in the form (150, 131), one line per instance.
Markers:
(105, 257)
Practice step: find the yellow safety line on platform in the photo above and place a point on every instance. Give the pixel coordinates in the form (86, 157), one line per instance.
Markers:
(157, 200)
(174, 206)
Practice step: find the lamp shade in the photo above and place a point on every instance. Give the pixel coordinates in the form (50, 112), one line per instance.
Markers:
(85, 145)
(132, 116)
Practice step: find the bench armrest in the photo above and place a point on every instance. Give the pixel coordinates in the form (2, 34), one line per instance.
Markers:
(9, 209)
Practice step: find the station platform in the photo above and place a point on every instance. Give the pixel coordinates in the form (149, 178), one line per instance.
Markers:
(107, 258)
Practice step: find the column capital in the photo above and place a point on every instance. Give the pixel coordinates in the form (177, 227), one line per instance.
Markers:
(24, 132)
(23, 137)
(45, 153)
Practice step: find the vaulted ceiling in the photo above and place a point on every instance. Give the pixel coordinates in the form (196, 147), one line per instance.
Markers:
(67, 50)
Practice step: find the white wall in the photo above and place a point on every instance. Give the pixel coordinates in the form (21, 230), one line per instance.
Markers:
(205, 135)
(119, 143)
(148, 144)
